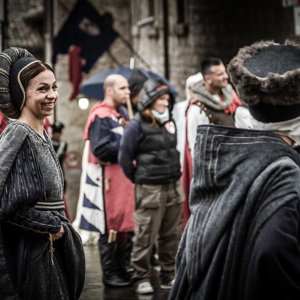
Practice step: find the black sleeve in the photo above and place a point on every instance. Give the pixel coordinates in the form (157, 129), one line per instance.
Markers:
(32, 220)
(105, 142)
(274, 269)
(128, 148)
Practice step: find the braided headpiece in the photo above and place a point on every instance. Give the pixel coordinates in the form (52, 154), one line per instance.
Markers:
(12, 94)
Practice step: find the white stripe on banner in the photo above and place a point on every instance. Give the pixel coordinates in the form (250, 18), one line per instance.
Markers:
(94, 194)
(118, 130)
(94, 217)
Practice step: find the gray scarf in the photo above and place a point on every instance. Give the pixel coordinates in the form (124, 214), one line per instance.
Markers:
(201, 93)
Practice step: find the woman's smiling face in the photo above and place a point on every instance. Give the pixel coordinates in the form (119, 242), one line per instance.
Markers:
(161, 103)
(41, 95)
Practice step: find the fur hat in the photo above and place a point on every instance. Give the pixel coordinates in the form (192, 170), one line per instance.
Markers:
(266, 77)
(12, 93)
(152, 89)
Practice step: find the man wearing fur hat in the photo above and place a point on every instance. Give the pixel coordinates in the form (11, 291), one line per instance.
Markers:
(213, 102)
(242, 239)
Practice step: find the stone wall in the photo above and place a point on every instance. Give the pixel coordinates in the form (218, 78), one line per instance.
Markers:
(25, 25)
(210, 28)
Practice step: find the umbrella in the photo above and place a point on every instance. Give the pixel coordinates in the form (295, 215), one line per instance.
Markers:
(93, 87)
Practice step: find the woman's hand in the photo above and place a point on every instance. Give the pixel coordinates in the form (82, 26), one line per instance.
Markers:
(58, 235)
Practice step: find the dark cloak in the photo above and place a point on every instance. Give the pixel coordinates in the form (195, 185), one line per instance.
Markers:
(244, 183)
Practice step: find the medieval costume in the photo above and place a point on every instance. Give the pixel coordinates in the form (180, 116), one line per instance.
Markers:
(32, 264)
(158, 192)
(108, 204)
(242, 238)
(179, 114)
(204, 108)
(29, 268)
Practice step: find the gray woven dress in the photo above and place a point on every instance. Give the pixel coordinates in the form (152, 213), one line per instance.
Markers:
(32, 266)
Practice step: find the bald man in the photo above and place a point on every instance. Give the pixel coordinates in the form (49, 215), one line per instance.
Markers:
(108, 194)
(116, 90)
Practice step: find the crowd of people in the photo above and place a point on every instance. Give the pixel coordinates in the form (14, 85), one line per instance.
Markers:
(209, 186)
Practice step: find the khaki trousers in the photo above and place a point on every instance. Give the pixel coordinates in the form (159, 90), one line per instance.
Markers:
(158, 216)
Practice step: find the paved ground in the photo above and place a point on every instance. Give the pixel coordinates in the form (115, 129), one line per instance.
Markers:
(94, 289)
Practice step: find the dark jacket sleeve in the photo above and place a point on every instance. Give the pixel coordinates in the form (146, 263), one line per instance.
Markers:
(274, 269)
(128, 148)
(104, 141)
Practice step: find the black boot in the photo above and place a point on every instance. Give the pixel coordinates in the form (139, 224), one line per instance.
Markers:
(123, 260)
(110, 276)
(129, 245)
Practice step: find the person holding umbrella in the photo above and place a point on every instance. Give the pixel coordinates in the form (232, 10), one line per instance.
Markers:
(150, 140)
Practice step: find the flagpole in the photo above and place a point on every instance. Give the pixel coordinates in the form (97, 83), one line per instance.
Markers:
(113, 58)
(48, 30)
(129, 108)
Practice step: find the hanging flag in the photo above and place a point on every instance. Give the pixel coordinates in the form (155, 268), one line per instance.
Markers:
(75, 66)
(86, 29)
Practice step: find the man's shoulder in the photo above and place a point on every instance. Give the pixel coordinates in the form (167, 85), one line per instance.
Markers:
(196, 110)
(195, 104)
(103, 110)
(104, 117)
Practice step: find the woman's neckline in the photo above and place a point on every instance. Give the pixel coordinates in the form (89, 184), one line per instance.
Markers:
(42, 137)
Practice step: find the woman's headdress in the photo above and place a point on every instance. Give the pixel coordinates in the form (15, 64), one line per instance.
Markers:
(12, 93)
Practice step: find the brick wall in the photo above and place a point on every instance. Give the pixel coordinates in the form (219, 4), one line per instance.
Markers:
(213, 28)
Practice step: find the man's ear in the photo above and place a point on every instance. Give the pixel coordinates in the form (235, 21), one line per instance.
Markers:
(109, 90)
(207, 79)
